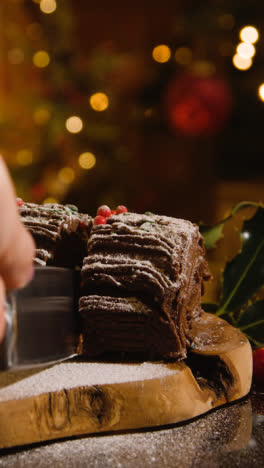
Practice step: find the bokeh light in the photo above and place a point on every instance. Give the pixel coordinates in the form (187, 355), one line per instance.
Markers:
(183, 55)
(50, 200)
(48, 6)
(161, 53)
(41, 59)
(41, 115)
(74, 124)
(99, 102)
(87, 160)
(246, 50)
(241, 63)
(66, 175)
(249, 34)
(24, 157)
(261, 92)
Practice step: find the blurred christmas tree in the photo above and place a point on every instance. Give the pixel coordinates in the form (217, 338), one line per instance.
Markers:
(93, 123)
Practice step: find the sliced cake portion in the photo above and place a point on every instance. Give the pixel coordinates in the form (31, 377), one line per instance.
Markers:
(60, 233)
(142, 282)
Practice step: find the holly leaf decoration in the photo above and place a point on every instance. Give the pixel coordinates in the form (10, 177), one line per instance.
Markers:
(251, 322)
(212, 234)
(244, 275)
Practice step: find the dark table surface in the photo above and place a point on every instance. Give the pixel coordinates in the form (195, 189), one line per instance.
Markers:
(231, 436)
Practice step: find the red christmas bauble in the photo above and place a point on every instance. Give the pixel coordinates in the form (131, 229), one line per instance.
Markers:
(198, 105)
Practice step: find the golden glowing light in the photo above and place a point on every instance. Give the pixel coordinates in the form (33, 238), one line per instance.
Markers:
(241, 63)
(246, 50)
(249, 34)
(41, 116)
(148, 112)
(15, 56)
(87, 160)
(48, 6)
(99, 102)
(226, 21)
(66, 175)
(261, 92)
(161, 53)
(50, 200)
(41, 59)
(183, 55)
(24, 157)
(74, 124)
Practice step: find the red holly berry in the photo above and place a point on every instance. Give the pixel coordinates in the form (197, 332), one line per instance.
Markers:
(19, 201)
(113, 212)
(258, 364)
(99, 220)
(121, 209)
(104, 211)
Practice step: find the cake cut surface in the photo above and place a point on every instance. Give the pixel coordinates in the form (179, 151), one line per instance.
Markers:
(142, 281)
(60, 233)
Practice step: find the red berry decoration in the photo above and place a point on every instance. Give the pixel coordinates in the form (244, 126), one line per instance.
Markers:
(258, 365)
(104, 211)
(99, 220)
(19, 201)
(113, 212)
(121, 209)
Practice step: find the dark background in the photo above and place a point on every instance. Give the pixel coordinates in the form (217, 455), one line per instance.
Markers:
(179, 139)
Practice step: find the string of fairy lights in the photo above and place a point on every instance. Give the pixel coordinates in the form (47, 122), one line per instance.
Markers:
(242, 60)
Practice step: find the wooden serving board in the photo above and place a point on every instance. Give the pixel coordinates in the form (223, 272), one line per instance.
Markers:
(77, 398)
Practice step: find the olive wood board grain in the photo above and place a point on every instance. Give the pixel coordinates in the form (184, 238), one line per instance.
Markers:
(78, 398)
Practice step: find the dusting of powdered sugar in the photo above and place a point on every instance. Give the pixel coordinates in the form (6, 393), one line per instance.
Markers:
(220, 439)
(70, 375)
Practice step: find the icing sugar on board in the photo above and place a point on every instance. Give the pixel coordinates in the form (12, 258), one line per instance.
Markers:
(77, 398)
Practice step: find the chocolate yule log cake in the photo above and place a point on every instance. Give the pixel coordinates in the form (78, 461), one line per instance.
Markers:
(60, 233)
(142, 278)
(142, 282)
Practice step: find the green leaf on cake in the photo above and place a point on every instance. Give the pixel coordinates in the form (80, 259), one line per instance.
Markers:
(244, 275)
(251, 322)
(212, 234)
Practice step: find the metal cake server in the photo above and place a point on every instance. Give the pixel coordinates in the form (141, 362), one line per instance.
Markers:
(41, 320)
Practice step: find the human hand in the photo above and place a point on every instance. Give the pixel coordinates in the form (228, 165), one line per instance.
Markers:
(16, 244)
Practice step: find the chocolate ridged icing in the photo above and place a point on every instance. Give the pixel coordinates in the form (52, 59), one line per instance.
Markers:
(60, 233)
(142, 282)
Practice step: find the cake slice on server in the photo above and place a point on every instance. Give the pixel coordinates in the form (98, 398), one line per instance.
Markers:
(60, 233)
(142, 282)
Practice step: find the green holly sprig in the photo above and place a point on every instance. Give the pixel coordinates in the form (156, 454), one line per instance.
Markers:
(243, 276)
